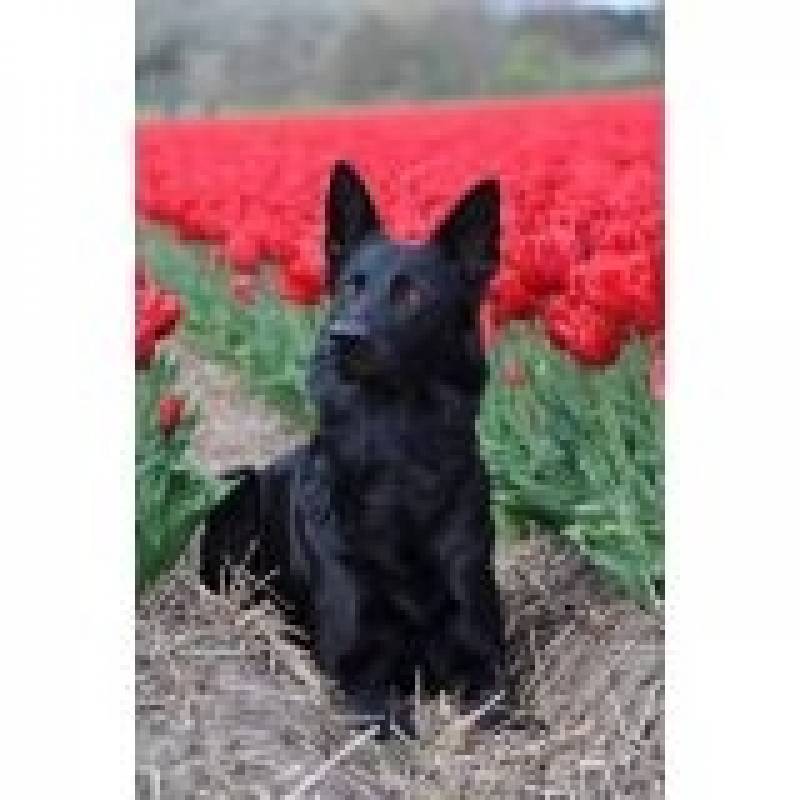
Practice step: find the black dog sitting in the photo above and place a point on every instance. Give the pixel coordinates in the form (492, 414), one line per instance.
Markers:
(378, 531)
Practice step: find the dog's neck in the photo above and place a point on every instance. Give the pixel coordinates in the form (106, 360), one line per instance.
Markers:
(339, 401)
(366, 428)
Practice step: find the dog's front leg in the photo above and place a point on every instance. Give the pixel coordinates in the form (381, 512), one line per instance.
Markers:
(337, 615)
(349, 649)
(351, 654)
(466, 648)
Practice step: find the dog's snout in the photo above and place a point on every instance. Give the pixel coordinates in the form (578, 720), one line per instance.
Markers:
(347, 333)
(352, 346)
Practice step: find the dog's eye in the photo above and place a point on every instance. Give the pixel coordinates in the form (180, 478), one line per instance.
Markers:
(404, 294)
(355, 284)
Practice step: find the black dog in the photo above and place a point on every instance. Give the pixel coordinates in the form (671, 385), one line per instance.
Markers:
(378, 531)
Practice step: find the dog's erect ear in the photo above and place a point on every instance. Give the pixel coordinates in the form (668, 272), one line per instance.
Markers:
(350, 217)
(470, 234)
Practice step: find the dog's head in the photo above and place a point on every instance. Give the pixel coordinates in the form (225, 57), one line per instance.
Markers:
(405, 313)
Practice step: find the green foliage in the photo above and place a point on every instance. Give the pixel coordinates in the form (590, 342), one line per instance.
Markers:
(269, 343)
(172, 495)
(579, 452)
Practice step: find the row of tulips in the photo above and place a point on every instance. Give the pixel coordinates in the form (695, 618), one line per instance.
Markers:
(172, 493)
(583, 237)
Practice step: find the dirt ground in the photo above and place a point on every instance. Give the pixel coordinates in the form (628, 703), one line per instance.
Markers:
(227, 707)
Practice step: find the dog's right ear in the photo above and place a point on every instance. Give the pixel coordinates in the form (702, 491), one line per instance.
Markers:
(470, 234)
(350, 217)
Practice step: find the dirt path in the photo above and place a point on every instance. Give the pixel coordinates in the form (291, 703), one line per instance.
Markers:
(226, 708)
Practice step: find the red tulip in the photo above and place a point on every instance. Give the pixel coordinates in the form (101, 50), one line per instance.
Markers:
(300, 282)
(147, 301)
(141, 274)
(552, 255)
(576, 326)
(167, 314)
(243, 289)
(490, 328)
(170, 413)
(509, 295)
(656, 375)
(242, 252)
(157, 313)
(145, 344)
(646, 292)
(514, 374)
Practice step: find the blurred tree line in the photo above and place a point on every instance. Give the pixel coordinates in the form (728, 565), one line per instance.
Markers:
(231, 53)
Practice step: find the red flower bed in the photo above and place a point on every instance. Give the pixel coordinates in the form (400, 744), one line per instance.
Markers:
(583, 238)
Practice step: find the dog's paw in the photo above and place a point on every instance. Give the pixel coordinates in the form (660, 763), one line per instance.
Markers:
(370, 707)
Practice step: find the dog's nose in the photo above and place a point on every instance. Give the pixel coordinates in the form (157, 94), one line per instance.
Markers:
(347, 333)
(351, 345)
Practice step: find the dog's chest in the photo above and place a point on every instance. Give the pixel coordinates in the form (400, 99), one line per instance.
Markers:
(399, 498)
(401, 463)
(396, 463)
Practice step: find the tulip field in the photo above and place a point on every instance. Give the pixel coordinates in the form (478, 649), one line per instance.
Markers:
(230, 227)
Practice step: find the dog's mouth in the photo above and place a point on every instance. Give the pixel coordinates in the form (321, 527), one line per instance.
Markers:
(358, 367)
(357, 361)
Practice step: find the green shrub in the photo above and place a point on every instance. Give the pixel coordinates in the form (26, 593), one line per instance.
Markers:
(580, 452)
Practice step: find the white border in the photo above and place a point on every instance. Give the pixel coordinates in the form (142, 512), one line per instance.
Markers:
(66, 669)
(731, 384)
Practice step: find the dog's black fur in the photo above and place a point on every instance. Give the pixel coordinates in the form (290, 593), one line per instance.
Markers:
(378, 532)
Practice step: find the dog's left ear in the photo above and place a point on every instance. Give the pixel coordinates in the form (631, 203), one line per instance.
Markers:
(350, 217)
(470, 234)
